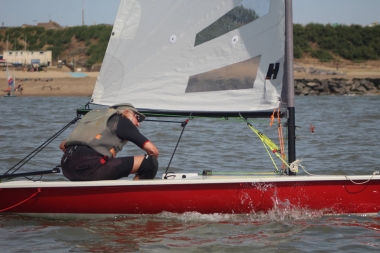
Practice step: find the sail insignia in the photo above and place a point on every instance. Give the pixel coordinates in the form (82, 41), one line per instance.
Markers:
(246, 12)
(236, 76)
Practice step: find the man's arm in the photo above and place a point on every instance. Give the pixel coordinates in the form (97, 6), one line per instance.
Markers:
(151, 149)
(62, 146)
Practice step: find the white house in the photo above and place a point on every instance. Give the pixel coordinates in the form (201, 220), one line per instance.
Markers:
(28, 57)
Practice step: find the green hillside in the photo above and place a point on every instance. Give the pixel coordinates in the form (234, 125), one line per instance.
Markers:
(326, 42)
(86, 45)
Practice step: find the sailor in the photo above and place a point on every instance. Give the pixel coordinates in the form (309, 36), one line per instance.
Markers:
(90, 151)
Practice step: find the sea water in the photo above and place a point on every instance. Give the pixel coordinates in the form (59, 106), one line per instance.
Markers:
(344, 142)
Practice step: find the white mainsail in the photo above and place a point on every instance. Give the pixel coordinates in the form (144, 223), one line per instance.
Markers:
(156, 60)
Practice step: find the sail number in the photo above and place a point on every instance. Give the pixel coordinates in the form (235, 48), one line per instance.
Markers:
(272, 72)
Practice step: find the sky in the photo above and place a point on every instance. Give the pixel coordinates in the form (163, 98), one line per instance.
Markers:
(69, 12)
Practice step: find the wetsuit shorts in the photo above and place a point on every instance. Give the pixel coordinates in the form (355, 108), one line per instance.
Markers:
(82, 163)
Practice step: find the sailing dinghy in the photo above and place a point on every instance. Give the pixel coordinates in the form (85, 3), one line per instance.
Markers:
(215, 58)
(11, 84)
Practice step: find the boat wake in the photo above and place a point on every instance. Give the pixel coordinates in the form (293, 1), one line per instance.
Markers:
(282, 211)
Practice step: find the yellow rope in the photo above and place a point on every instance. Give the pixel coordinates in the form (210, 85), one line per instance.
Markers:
(268, 143)
(264, 139)
(270, 156)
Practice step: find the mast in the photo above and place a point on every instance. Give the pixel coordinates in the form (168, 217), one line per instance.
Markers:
(83, 13)
(289, 81)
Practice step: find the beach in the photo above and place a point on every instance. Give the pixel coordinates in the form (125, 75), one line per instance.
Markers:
(52, 83)
(61, 82)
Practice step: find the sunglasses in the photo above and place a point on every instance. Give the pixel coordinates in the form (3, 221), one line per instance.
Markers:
(137, 117)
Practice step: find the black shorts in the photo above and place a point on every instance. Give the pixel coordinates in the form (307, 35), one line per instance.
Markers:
(84, 164)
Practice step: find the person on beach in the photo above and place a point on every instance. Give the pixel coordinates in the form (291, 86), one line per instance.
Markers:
(20, 88)
(90, 151)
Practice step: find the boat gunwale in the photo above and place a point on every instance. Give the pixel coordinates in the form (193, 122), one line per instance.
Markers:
(191, 181)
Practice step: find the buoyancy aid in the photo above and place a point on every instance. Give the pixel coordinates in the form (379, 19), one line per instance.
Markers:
(93, 131)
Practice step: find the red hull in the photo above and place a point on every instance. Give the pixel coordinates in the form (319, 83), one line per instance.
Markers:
(336, 197)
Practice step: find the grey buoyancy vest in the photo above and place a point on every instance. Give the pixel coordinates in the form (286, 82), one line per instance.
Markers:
(92, 131)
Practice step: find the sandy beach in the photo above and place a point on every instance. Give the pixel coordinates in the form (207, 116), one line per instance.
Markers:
(370, 69)
(52, 83)
(60, 82)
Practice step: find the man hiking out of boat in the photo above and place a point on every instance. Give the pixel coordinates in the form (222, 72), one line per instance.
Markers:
(90, 150)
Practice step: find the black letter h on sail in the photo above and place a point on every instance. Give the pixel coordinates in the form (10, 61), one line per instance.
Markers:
(272, 71)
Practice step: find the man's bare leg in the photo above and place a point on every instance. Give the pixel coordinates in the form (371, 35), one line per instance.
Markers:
(136, 165)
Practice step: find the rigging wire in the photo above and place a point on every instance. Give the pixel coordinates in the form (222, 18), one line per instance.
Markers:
(81, 111)
(183, 125)
(40, 148)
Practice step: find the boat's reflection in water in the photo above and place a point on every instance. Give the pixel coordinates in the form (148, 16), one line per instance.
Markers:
(189, 231)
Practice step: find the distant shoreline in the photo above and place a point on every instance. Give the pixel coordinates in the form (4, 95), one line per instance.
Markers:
(60, 83)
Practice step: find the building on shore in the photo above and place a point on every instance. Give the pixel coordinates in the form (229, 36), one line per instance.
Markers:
(47, 25)
(21, 57)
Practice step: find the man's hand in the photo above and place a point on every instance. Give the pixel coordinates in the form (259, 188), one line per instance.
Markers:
(62, 146)
(151, 149)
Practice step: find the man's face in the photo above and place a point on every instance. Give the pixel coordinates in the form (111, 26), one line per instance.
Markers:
(134, 117)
